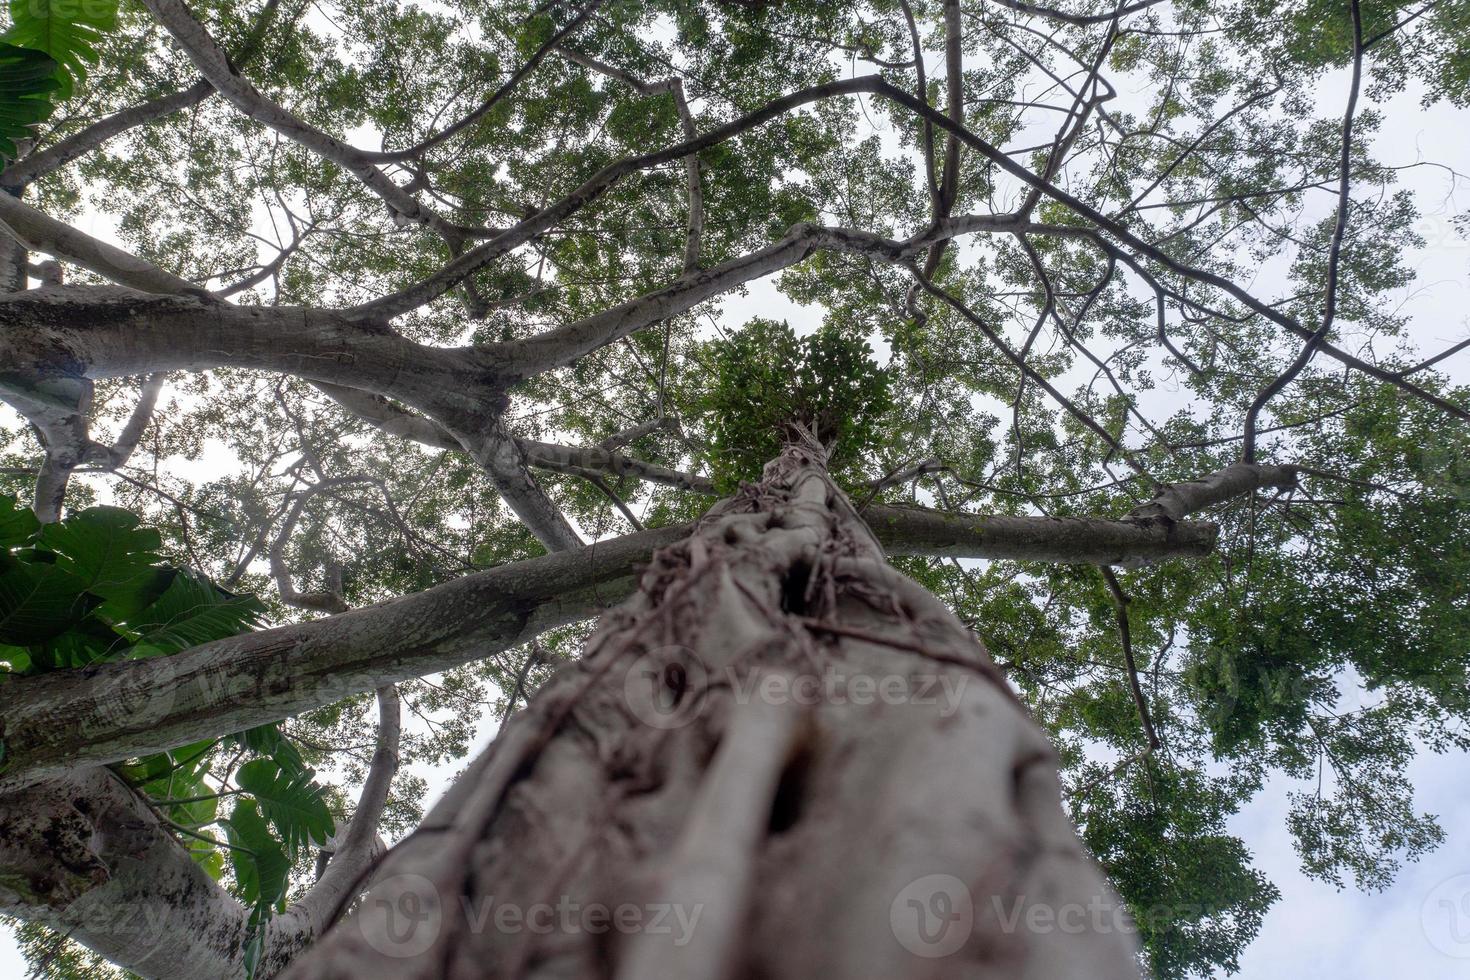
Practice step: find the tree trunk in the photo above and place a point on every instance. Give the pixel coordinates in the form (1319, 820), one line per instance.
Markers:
(779, 758)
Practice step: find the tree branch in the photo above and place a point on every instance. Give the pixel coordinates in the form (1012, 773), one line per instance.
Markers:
(101, 714)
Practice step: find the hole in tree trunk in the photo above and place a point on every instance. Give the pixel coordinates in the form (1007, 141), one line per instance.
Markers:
(791, 793)
(793, 588)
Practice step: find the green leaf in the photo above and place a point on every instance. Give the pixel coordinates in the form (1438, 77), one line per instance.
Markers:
(203, 805)
(261, 866)
(39, 601)
(27, 79)
(17, 523)
(159, 775)
(268, 740)
(69, 31)
(291, 801)
(211, 859)
(105, 548)
(191, 611)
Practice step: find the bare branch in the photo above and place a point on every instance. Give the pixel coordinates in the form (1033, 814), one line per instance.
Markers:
(356, 849)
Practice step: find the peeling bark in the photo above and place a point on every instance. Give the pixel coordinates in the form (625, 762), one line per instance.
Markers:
(678, 771)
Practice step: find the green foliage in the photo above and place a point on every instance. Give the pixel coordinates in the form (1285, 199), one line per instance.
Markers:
(1159, 833)
(94, 588)
(764, 379)
(27, 80)
(69, 31)
(291, 801)
(91, 589)
(43, 57)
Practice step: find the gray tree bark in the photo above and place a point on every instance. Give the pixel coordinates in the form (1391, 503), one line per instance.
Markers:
(779, 758)
(88, 856)
(95, 715)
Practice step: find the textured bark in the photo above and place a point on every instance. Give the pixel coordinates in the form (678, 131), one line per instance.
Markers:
(84, 855)
(87, 856)
(117, 711)
(773, 834)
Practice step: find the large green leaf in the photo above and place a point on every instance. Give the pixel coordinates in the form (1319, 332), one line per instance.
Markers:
(39, 601)
(17, 523)
(291, 801)
(27, 79)
(191, 611)
(105, 548)
(261, 866)
(69, 31)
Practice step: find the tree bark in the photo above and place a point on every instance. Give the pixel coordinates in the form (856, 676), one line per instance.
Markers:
(87, 856)
(780, 758)
(96, 715)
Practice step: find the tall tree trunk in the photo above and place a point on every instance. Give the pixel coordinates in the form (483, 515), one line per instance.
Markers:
(779, 758)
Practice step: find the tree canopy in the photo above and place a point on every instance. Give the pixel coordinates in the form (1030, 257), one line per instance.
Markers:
(351, 301)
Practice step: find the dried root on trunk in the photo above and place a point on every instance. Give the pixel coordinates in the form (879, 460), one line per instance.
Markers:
(780, 758)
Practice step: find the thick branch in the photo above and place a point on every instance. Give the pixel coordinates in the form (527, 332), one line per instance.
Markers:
(109, 331)
(116, 711)
(86, 856)
(41, 233)
(1177, 501)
